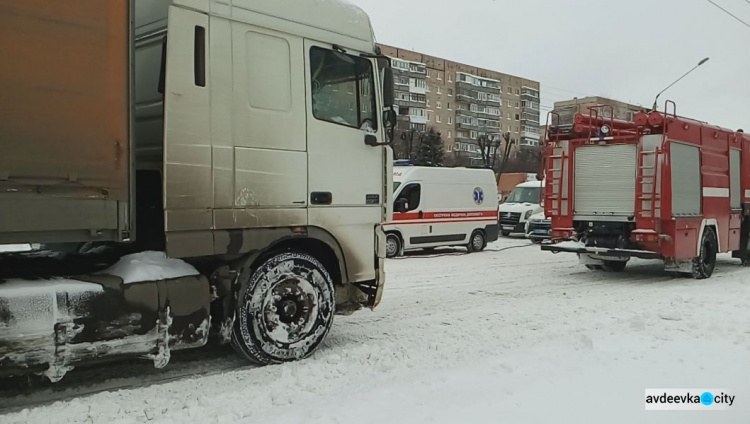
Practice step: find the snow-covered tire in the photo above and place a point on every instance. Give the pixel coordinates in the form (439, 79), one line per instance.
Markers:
(285, 309)
(477, 242)
(392, 245)
(705, 263)
(594, 267)
(614, 266)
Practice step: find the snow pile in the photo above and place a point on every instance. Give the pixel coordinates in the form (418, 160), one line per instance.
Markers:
(149, 266)
(16, 248)
(572, 245)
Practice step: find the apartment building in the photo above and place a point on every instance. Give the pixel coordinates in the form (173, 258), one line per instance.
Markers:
(622, 111)
(464, 102)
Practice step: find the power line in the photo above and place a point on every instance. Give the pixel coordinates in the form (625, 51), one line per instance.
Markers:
(730, 13)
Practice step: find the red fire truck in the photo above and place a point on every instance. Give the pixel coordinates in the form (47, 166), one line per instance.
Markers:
(661, 187)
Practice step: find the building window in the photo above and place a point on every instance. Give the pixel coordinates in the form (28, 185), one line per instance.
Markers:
(437, 119)
(450, 134)
(516, 105)
(440, 90)
(343, 83)
(450, 120)
(510, 90)
(449, 106)
(450, 77)
(518, 92)
(473, 135)
(429, 74)
(440, 76)
(518, 117)
(439, 105)
(428, 102)
(450, 92)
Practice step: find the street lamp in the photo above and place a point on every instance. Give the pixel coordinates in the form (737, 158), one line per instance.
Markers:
(656, 100)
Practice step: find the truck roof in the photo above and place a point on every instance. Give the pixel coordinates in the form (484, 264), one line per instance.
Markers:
(442, 175)
(333, 16)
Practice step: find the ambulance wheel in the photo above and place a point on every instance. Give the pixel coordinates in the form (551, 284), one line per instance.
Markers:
(506, 233)
(705, 263)
(392, 246)
(285, 308)
(614, 266)
(477, 242)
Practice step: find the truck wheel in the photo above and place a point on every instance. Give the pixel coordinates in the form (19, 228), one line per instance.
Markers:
(506, 233)
(285, 309)
(392, 246)
(477, 242)
(704, 264)
(594, 267)
(614, 266)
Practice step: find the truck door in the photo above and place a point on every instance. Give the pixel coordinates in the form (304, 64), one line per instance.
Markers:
(346, 180)
(188, 191)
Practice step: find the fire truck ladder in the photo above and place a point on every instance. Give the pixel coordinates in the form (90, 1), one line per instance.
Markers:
(554, 175)
(647, 193)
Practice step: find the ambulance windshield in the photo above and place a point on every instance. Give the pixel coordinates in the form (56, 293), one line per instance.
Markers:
(524, 195)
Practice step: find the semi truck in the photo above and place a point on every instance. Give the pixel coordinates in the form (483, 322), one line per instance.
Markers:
(660, 187)
(179, 163)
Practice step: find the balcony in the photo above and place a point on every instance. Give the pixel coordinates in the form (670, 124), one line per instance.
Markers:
(462, 126)
(530, 136)
(465, 112)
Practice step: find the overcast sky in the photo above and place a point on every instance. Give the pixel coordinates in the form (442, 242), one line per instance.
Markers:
(624, 49)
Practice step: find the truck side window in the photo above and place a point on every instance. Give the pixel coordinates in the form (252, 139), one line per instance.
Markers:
(343, 89)
(412, 193)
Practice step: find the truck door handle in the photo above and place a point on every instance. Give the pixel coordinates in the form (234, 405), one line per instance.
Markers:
(321, 198)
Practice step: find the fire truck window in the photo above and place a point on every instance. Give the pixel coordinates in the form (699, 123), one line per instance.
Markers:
(412, 193)
(343, 89)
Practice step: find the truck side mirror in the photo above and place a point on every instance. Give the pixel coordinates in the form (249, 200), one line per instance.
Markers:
(390, 118)
(389, 94)
(400, 205)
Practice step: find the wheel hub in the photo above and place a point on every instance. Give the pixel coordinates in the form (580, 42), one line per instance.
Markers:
(290, 310)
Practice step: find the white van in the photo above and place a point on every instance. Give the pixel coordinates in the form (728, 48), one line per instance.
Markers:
(520, 205)
(437, 207)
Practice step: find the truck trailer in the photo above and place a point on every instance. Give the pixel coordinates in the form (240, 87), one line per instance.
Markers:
(661, 187)
(195, 135)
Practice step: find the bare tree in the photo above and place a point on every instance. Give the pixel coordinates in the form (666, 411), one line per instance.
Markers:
(406, 145)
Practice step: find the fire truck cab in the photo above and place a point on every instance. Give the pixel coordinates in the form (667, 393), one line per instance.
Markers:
(661, 187)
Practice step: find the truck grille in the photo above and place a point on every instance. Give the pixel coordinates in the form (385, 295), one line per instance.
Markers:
(539, 226)
(509, 218)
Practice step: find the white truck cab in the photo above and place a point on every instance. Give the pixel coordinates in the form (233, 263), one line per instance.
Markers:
(437, 207)
(520, 205)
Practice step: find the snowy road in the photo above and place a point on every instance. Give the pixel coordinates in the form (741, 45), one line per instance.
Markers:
(514, 335)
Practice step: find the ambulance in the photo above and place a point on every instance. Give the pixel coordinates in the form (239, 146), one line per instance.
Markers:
(436, 207)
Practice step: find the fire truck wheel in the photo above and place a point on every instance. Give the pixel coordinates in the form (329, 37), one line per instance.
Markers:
(614, 266)
(392, 246)
(286, 308)
(477, 242)
(703, 265)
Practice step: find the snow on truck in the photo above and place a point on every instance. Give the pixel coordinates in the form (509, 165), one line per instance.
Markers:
(183, 160)
(661, 187)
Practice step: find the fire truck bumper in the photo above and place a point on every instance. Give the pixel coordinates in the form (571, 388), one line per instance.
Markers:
(601, 252)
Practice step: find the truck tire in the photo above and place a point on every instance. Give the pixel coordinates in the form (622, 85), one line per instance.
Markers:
(285, 309)
(614, 266)
(506, 233)
(704, 264)
(392, 245)
(477, 242)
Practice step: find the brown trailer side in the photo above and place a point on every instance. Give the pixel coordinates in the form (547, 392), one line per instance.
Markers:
(65, 120)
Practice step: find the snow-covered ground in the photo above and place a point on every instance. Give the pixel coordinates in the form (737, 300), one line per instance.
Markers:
(504, 336)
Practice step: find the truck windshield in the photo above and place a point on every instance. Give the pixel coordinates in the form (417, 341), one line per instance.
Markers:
(524, 195)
